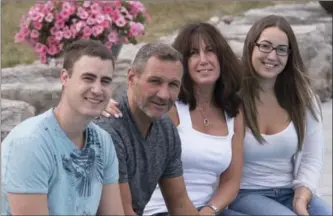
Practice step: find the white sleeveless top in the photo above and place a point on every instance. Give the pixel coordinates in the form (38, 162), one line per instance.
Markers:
(204, 158)
(270, 164)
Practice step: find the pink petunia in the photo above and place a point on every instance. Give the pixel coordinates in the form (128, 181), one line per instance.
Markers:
(59, 24)
(95, 8)
(25, 31)
(49, 17)
(66, 6)
(40, 48)
(52, 50)
(97, 30)
(51, 40)
(107, 9)
(86, 4)
(113, 37)
(37, 25)
(120, 22)
(19, 37)
(91, 20)
(67, 33)
(136, 29)
(53, 30)
(82, 13)
(59, 35)
(106, 24)
(34, 33)
(100, 18)
(79, 25)
(65, 14)
(49, 5)
(87, 32)
(42, 58)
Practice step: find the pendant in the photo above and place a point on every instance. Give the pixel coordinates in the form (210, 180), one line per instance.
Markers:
(206, 122)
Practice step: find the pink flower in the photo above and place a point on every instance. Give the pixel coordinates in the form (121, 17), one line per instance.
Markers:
(73, 30)
(49, 5)
(107, 9)
(86, 4)
(113, 37)
(95, 8)
(51, 40)
(87, 31)
(99, 18)
(79, 25)
(37, 16)
(97, 30)
(49, 17)
(42, 58)
(65, 14)
(136, 29)
(53, 30)
(82, 13)
(91, 20)
(52, 50)
(38, 25)
(66, 6)
(106, 24)
(121, 22)
(58, 35)
(25, 31)
(19, 37)
(40, 48)
(67, 33)
(34, 33)
(59, 23)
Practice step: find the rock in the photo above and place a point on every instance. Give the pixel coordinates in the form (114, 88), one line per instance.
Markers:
(327, 5)
(12, 113)
(36, 84)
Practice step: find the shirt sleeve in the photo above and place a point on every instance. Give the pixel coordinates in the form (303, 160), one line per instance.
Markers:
(26, 165)
(311, 157)
(119, 147)
(175, 166)
(111, 170)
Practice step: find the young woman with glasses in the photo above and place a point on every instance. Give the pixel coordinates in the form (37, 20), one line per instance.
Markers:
(283, 144)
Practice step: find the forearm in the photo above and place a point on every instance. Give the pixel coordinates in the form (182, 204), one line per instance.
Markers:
(225, 194)
(182, 207)
(303, 193)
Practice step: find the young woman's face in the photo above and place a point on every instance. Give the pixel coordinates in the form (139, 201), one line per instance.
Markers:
(270, 54)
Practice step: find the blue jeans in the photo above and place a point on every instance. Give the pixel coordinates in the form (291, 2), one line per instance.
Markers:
(225, 212)
(275, 202)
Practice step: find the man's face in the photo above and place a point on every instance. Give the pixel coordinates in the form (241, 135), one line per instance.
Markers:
(156, 88)
(88, 90)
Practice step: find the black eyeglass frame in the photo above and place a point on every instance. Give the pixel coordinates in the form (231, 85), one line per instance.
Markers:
(273, 48)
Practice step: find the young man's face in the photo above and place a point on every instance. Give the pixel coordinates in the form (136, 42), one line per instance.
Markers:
(157, 87)
(88, 90)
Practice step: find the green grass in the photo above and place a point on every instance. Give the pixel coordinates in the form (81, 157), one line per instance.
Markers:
(166, 17)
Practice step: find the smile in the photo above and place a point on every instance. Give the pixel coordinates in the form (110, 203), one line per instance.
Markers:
(269, 65)
(94, 101)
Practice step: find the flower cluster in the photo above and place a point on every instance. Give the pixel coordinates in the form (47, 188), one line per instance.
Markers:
(50, 26)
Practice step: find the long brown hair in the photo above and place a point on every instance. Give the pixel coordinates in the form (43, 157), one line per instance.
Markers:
(292, 87)
(227, 87)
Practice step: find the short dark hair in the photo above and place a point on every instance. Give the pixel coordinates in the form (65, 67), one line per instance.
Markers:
(88, 47)
(227, 87)
(159, 50)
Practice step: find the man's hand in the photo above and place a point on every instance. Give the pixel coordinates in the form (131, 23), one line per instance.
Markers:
(300, 206)
(206, 211)
(112, 109)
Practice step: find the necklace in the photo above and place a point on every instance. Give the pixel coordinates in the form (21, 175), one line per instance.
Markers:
(205, 119)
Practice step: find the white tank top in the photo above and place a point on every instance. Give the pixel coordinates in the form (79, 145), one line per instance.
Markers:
(269, 165)
(204, 158)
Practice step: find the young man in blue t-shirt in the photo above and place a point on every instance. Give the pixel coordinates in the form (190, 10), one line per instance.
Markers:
(59, 162)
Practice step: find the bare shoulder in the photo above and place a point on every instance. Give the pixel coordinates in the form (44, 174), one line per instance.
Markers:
(173, 114)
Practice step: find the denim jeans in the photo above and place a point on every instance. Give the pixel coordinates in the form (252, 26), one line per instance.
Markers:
(275, 202)
(225, 212)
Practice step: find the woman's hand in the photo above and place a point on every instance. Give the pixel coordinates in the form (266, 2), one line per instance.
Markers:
(300, 205)
(112, 109)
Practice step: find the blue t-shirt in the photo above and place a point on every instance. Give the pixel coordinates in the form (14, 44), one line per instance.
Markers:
(38, 157)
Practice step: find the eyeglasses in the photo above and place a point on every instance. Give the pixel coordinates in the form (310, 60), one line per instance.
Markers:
(281, 50)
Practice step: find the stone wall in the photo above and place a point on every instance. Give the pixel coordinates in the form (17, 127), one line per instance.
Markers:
(28, 90)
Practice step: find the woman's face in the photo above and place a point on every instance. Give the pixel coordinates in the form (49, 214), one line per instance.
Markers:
(203, 65)
(270, 54)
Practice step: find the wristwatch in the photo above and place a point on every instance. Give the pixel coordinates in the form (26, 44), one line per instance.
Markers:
(214, 208)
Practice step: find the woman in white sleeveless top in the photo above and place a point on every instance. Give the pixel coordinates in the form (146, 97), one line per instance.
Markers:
(209, 121)
(283, 120)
